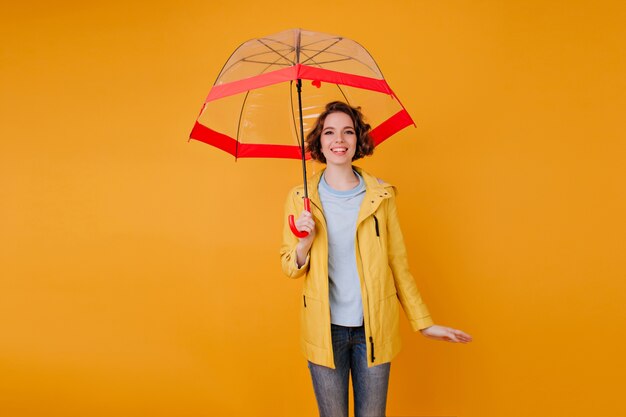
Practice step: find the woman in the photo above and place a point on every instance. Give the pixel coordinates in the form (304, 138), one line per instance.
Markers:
(355, 268)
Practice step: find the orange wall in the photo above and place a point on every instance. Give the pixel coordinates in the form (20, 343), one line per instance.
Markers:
(140, 273)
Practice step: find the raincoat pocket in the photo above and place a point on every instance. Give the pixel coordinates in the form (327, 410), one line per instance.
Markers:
(312, 319)
(388, 312)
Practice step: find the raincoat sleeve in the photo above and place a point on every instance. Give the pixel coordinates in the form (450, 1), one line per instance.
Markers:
(408, 293)
(290, 241)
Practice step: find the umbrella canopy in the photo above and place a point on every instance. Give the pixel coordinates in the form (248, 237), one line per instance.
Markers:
(253, 109)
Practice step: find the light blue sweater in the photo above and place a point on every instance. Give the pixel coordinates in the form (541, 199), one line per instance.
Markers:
(341, 210)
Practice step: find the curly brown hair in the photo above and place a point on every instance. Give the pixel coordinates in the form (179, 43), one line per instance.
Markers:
(364, 141)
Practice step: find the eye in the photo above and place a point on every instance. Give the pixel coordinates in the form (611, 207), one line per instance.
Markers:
(328, 132)
(349, 132)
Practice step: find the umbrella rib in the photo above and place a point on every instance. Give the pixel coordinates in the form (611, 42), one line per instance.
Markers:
(244, 59)
(322, 50)
(265, 62)
(320, 63)
(262, 53)
(321, 40)
(243, 106)
(270, 65)
(348, 58)
(343, 94)
(275, 51)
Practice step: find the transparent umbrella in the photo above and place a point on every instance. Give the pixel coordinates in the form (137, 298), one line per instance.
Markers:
(272, 89)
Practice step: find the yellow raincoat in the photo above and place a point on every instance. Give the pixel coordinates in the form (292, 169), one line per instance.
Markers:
(383, 269)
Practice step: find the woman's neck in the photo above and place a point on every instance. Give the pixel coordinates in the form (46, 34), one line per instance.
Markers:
(340, 178)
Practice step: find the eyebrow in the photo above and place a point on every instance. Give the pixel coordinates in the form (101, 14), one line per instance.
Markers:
(345, 127)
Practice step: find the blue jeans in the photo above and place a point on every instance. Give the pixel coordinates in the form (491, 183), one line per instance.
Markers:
(369, 385)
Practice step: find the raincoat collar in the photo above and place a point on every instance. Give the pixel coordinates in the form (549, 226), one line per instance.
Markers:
(376, 191)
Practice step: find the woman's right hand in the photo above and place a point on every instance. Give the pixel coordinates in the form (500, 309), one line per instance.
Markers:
(304, 223)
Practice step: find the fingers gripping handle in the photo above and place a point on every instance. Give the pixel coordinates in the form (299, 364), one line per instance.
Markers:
(292, 223)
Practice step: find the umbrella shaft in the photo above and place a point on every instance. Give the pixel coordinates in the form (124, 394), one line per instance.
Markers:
(299, 85)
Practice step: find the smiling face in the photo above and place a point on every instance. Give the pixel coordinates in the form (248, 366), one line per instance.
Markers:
(338, 139)
(340, 119)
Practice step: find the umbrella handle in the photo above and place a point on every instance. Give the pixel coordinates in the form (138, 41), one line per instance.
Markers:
(292, 223)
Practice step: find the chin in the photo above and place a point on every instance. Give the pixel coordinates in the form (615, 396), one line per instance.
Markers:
(339, 159)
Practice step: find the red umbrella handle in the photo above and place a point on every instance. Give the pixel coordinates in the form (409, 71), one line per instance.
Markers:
(292, 223)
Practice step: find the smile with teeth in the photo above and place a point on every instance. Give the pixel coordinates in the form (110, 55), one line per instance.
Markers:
(339, 150)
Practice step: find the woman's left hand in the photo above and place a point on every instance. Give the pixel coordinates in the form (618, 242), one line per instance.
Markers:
(446, 334)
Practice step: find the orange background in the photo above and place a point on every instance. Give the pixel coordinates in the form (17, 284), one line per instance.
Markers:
(140, 273)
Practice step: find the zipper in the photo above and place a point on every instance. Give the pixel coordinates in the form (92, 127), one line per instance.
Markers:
(376, 223)
(367, 295)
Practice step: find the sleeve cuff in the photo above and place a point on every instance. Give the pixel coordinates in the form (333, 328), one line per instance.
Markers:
(304, 265)
(422, 323)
